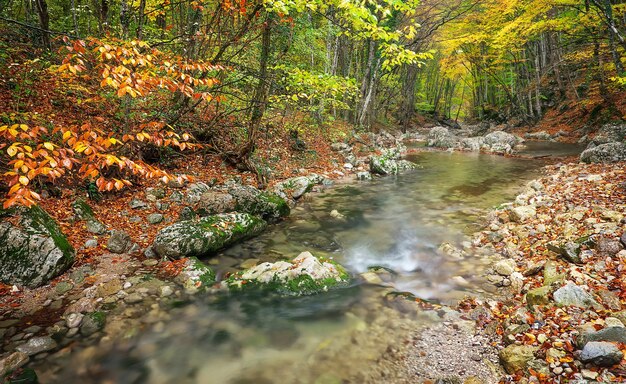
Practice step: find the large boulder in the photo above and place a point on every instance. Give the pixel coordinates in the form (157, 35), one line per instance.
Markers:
(604, 153)
(207, 235)
(34, 251)
(609, 133)
(304, 275)
(601, 353)
(267, 205)
(501, 139)
(573, 295)
(440, 137)
(214, 202)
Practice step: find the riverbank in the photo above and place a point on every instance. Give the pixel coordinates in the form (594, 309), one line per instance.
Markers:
(562, 243)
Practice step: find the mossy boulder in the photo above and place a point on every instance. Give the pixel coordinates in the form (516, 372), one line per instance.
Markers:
(388, 164)
(268, 205)
(207, 235)
(296, 187)
(83, 211)
(34, 251)
(196, 275)
(304, 275)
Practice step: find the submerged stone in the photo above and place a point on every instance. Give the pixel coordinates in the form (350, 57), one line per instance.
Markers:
(35, 251)
(304, 275)
(209, 234)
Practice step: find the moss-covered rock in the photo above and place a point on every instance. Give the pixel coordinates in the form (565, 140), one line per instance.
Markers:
(35, 251)
(304, 275)
(83, 211)
(248, 199)
(196, 275)
(296, 187)
(388, 164)
(207, 235)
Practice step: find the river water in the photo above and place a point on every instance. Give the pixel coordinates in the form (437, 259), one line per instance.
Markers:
(394, 222)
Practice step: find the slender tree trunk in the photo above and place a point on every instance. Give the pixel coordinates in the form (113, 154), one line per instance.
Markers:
(141, 18)
(407, 107)
(44, 21)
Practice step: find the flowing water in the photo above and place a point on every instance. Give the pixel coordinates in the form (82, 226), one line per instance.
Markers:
(395, 222)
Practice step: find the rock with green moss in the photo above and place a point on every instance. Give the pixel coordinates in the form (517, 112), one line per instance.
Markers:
(207, 235)
(83, 212)
(296, 187)
(268, 205)
(304, 275)
(196, 275)
(389, 164)
(34, 251)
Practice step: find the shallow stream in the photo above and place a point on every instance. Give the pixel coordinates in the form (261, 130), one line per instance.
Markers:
(394, 222)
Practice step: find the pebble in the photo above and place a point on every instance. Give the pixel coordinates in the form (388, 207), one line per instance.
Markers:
(73, 320)
(166, 291)
(558, 370)
(133, 298)
(127, 285)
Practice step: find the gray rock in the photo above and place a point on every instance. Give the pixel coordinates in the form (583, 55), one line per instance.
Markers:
(154, 194)
(515, 358)
(12, 362)
(195, 191)
(541, 135)
(187, 213)
(137, 204)
(473, 144)
(196, 275)
(523, 213)
(601, 353)
(91, 243)
(63, 287)
(250, 200)
(570, 251)
(37, 345)
(73, 320)
(387, 164)
(92, 323)
(133, 298)
(35, 251)
(119, 242)
(505, 267)
(574, 295)
(608, 247)
(176, 197)
(608, 133)
(155, 218)
(337, 147)
(96, 227)
(363, 176)
(604, 153)
(440, 137)
(614, 334)
(296, 187)
(209, 234)
(501, 138)
(213, 202)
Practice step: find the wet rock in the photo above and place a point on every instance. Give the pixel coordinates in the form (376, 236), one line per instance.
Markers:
(209, 234)
(601, 353)
(92, 323)
(137, 204)
(155, 218)
(604, 153)
(119, 242)
(296, 187)
(538, 296)
(304, 275)
(37, 345)
(336, 215)
(501, 138)
(573, 295)
(363, 176)
(388, 164)
(196, 275)
(12, 362)
(523, 213)
(505, 267)
(249, 263)
(35, 251)
(515, 358)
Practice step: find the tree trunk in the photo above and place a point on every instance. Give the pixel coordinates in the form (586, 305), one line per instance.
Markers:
(141, 18)
(44, 21)
(407, 107)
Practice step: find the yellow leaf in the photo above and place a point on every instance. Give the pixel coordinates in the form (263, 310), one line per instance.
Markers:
(66, 135)
(12, 151)
(24, 127)
(24, 180)
(49, 146)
